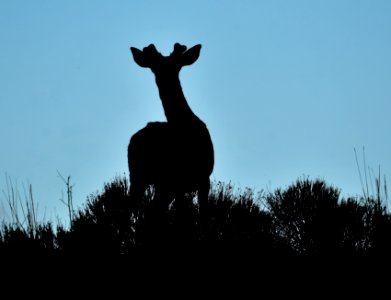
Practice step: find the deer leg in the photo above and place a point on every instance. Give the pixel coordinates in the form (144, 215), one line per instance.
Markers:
(158, 207)
(162, 198)
(136, 192)
(156, 222)
(203, 196)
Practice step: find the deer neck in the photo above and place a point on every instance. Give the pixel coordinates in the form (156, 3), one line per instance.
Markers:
(175, 106)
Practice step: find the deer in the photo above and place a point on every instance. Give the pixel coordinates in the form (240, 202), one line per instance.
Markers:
(176, 156)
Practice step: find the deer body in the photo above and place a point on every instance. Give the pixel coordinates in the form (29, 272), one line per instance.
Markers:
(175, 156)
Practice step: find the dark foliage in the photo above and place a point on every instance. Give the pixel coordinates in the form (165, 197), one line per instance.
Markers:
(15, 240)
(311, 219)
(106, 225)
(305, 219)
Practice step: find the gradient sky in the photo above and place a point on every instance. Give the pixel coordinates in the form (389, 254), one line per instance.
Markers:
(286, 88)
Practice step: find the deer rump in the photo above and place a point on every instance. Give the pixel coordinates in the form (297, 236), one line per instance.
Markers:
(162, 153)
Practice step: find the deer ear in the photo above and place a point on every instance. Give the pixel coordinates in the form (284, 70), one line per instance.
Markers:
(139, 57)
(191, 55)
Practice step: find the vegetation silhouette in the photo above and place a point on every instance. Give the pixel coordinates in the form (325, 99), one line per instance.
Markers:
(307, 219)
(176, 156)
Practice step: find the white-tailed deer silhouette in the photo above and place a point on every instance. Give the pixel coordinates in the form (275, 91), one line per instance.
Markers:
(175, 156)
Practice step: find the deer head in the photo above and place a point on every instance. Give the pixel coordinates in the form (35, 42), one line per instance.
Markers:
(149, 57)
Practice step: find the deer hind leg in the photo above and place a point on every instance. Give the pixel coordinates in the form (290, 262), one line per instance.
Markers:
(157, 210)
(184, 217)
(136, 193)
(203, 196)
(156, 221)
(162, 199)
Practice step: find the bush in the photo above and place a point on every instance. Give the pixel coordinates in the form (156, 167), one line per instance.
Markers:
(307, 219)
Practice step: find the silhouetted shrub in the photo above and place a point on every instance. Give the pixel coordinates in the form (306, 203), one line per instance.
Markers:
(377, 226)
(307, 216)
(236, 220)
(16, 240)
(305, 219)
(105, 225)
(310, 218)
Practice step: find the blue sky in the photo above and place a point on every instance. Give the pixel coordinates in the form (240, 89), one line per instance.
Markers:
(287, 88)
